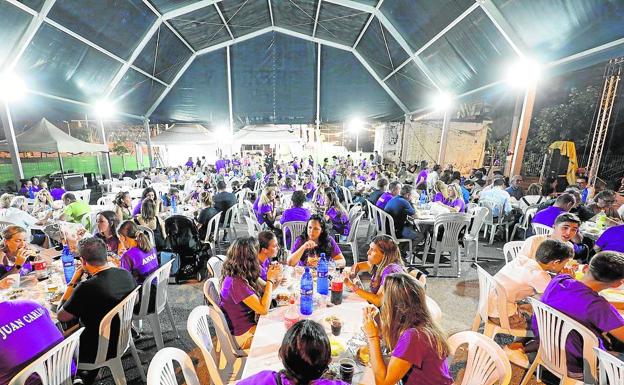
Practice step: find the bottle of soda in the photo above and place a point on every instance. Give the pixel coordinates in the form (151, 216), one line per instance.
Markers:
(68, 263)
(307, 293)
(322, 282)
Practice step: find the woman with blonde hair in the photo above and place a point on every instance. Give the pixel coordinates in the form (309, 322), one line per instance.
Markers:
(149, 218)
(418, 345)
(456, 199)
(267, 207)
(43, 202)
(442, 193)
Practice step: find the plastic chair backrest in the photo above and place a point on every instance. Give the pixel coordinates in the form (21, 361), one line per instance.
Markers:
(213, 297)
(54, 367)
(528, 216)
(470, 207)
(228, 221)
(198, 327)
(455, 226)
(250, 209)
(554, 328)
(386, 223)
(123, 311)
(161, 276)
(162, 370)
(353, 211)
(242, 195)
(486, 363)
(539, 229)
(211, 291)
(478, 218)
(251, 226)
(294, 230)
(212, 228)
(611, 369)
(493, 207)
(347, 195)
(215, 264)
(150, 233)
(511, 249)
(106, 200)
(354, 225)
(487, 285)
(4, 225)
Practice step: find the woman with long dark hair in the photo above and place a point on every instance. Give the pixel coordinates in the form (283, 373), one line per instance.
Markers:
(148, 193)
(336, 214)
(305, 353)
(241, 297)
(314, 241)
(149, 218)
(418, 345)
(106, 229)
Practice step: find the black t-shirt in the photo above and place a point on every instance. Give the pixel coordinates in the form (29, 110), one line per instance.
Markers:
(223, 201)
(204, 216)
(92, 300)
(375, 195)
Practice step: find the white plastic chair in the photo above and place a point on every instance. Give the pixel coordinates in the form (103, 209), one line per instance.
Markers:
(215, 264)
(487, 285)
(492, 221)
(354, 211)
(294, 230)
(150, 233)
(486, 363)
(228, 223)
(611, 369)
(4, 225)
(106, 200)
(213, 298)
(455, 226)
(162, 370)
(524, 222)
(161, 276)
(198, 328)
(554, 328)
(122, 312)
(352, 237)
(511, 250)
(348, 198)
(253, 228)
(54, 367)
(212, 233)
(539, 229)
(478, 216)
(385, 225)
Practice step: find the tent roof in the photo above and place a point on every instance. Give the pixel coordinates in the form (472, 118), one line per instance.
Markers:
(46, 137)
(265, 135)
(170, 60)
(185, 134)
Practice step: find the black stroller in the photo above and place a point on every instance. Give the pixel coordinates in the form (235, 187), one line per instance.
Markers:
(183, 241)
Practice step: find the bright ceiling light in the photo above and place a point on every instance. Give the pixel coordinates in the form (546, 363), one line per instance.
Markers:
(12, 87)
(104, 109)
(355, 125)
(523, 73)
(223, 133)
(442, 101)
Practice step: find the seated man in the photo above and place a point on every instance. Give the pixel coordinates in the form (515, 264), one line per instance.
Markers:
(74, 209)
(394, 188)
(603, 202)
(547, 216)
(565, 228)
(580, 300)
(497, 195)
(399, 208)
(611, 240)
(514, 189)
(382, 183)
(94, 297)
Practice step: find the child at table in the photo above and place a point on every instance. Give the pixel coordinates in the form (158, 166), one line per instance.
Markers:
(305, 353)
(580, 300)
(419, 347)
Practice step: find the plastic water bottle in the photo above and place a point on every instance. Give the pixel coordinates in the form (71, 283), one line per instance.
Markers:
(322, 282)
(307, 293)
(174, 205)
(292, 315)
(68, 263)
(31, 193)
(423, 198)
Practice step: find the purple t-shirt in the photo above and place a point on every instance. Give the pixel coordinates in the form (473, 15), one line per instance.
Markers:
(421, 178)
(335, 250)
(459, 204)
(26, 268)
(378, 279)
(295, 214)
(139, 263)
(578, 301)
(263, 209)
(264, 267)
(57, 193)
(547, 216)
(309, 186)
(612, 239)
(340, 221)
(26, 331)
(137, 208)
(384, 199)
(440, 198)
(219, 164)
(240, 317)
(427, 368)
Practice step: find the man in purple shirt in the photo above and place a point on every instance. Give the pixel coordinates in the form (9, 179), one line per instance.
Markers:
(393, 190)
(611, 240)
(26, 331)
(580, 300)
(547, 216)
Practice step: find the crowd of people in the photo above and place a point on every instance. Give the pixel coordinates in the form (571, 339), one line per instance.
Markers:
(116, 255)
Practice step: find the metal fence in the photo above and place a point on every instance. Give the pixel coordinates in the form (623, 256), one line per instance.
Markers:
(611, 166)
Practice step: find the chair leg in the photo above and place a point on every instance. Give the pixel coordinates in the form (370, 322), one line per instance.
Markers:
(513, 232)
(531, 370)
(476, 250)
(158, 335)
(170, 316)
(492, 233)
(354, 252)
(117, 371)
(137, 360)
(436, 261)
(458, 259)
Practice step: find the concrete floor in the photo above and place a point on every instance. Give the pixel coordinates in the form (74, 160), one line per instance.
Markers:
(457, 297)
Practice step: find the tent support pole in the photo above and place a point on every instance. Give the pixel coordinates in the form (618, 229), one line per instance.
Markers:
(229, 87)
(107, 169)
(523, 130)
(149, 141)
(9, 133)
(444, 138)
(60, 158)
(318, 100)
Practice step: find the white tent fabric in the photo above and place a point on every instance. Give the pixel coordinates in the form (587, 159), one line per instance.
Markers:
(185, 134)
(264, 135)
(46, 137)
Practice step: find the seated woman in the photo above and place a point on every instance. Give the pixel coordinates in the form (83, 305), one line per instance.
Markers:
(140, 257)
(43, 202)
(106, 229)
(151, 194)
(57, 191)
(206, 213)
(172, 194)
(149, 218)
(17, 214)
(123, 202)
(14, 254)
(305, 353)
(441, 193)
(194, 195)
(314, 241)
(241, 297)
(288, 186)
(456, 200)
(267, 207)
(418, 345)
(336, 214)
(309, 187)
